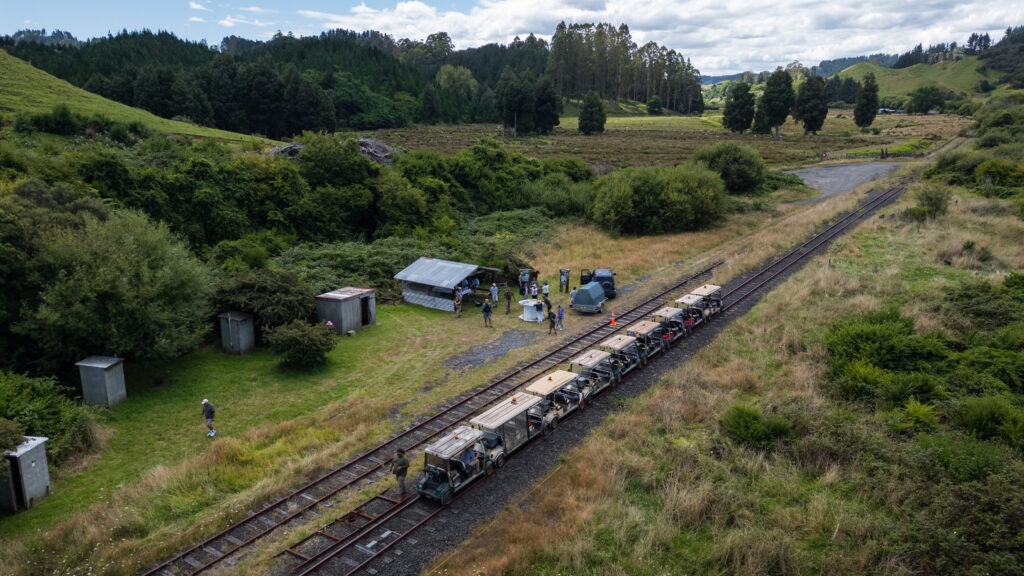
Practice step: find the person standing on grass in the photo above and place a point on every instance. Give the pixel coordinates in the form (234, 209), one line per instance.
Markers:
(508, 300)
(546, 289)
(209, 412)
(572, 296)
(458, 303)
(551, 321)
(561, 316)
(487, 313)
(547, 303)
(399, 466)
(494, 293)
(539, 307)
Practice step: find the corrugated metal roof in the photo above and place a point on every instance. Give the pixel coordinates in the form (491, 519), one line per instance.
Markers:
(706, 290)
(590, 358)
(437, 272)
(505, 411)
(105, 362)
(618, 343)
(345, 293)
(453, 443)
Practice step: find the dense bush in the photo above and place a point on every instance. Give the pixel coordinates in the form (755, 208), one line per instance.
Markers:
(301, 345)
(41, 408)
(658, 200)
(993, 417)
(932, 201)
(273, 296)
(742, 169)
(985, 306)
(11, 434)
(748, 426)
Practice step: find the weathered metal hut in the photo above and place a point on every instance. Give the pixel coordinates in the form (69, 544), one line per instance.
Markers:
(102, 380)
(431, 282)
(237, 332)
(27, 478)
(348, 308)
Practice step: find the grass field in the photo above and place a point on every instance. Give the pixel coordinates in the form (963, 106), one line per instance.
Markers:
(659, 489)
(24, 88)
(671, 139)
(959, 76)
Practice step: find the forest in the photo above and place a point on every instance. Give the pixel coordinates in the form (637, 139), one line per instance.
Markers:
(343, 80)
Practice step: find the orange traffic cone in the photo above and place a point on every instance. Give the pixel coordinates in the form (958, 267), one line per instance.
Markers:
(613, 319)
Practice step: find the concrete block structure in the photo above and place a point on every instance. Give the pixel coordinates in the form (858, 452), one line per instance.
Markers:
(102, 380)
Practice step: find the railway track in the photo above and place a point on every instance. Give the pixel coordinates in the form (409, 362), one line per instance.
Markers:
(356, 543)
(370, 467)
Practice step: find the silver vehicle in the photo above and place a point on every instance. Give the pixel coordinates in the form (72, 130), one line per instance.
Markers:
(596, 371)
(452, 463)
(712, 297)
(511, 423)
(648, 337)
(626, 354)
(673, 323)
(693, 307)
(560, 389)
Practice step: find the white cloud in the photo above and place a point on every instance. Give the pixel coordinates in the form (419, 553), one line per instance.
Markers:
(232, 21)
(257, 10)
(722, 37)
(196, 19)
(197, 6)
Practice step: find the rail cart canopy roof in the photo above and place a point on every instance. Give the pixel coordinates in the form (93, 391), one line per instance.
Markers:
(591, 358)
(665, 313)
(547, 384)
(455, 442)
(690, 300)
(590, 294)
(506, 410)
(437, 272)
(706, 290)
(643, 328)
(618, 343)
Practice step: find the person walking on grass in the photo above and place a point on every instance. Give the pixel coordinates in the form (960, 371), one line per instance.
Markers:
(508, 300)
(487, 313)
(208, 413)
(399, 466)
(551, 321)
(561, 316)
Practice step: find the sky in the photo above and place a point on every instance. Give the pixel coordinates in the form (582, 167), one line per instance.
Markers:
(719, 37)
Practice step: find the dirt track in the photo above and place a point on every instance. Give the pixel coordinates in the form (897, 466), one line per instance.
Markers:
(839, 178)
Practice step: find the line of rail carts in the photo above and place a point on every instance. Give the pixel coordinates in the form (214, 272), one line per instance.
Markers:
(454, 461)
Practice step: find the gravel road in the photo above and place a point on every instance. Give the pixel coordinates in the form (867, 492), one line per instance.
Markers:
(839, 178)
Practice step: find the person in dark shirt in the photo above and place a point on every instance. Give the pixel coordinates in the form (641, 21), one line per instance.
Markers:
(400, 466)
(209, 412)
(487, 313)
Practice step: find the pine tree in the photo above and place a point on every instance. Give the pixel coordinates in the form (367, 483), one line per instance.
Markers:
(778, 98)
(739, 108)
(811, 107)
(592, 115)
(761, 124)
(654, 105)
(547, 104)
(867, 103)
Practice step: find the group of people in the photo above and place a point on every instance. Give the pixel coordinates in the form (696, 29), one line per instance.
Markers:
(555, 319)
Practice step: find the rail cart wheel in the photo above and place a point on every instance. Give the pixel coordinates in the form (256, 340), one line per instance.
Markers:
(616, 379)
(500, 461)
(554, 424)
(489, 468)
(583, 404)
(446, 499)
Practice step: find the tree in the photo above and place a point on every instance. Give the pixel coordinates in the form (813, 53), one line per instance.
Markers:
(592, 116)
(513, 102)
(739, 108)
(742, 169)
(121, 286)
(654, 105)
(811, 107)
(761, 125)
(778, 98)
(301, 345)
(867, 102)
(547, 105)
(924, 99)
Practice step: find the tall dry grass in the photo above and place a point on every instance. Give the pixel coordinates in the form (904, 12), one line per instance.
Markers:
(658, 489)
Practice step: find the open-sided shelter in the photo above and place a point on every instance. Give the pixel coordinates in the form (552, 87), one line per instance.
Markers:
(431, 282)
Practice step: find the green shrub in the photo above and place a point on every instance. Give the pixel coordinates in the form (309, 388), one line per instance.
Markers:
(742, 169)
(273, 296)
(658, 200)
(913, 417)
(40, 408)
(301, 345)
(11, 434)
(748, 426)
(558, 195)
(961, 459)
(932, 201)
(1007, 366)
(984, 306)
(998, 172)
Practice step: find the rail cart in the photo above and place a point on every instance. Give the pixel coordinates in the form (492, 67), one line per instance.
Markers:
(596, 371)
(453, 463)
(626, 354)
(673, 323)
(648, 337)
(561, 390)
(510, 424)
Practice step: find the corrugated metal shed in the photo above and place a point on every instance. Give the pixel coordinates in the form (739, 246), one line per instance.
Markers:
(29, 480)
(102, 380)
(348, 308)
(237, 332)
(429, 281)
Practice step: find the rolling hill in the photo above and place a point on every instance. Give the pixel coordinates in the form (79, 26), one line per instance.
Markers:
(960, 76)
(24, 88)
